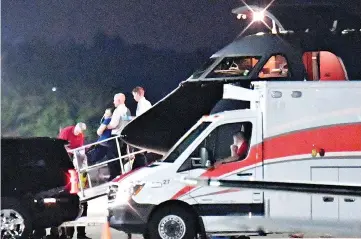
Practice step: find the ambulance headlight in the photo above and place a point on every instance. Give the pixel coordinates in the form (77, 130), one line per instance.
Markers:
(126, 191)
(137, 188)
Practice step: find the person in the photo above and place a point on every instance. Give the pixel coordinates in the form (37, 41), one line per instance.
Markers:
(98, 152)
(75, 136)
(116, 124)
(103, 132)
(239, 149)
(143, 104)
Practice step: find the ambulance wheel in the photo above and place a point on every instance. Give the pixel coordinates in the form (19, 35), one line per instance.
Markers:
(15, 220)
(172, 222)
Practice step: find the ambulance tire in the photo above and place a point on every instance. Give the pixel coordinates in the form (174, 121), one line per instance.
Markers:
(17, 211)
(176, 219)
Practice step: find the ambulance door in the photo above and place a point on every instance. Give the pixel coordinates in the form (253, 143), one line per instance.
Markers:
(218, 205)
(249, 202)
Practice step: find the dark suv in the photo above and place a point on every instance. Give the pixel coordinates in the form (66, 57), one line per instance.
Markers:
(38, 186)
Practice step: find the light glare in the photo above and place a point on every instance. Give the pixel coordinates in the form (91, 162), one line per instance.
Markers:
(258, 16)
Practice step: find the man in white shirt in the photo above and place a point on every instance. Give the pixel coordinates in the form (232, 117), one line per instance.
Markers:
(143, 106)
(116, 124)
(143, 103)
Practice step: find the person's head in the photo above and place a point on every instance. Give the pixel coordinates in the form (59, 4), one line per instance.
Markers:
(79, 128)
(138, 93)
(108, 113)
(238, 138)
(119, 99)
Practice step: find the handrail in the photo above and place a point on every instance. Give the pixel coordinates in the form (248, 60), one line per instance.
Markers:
(86, 168)
(95, 143)
(111, 160)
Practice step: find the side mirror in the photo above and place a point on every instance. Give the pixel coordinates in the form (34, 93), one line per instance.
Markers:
(205, 158)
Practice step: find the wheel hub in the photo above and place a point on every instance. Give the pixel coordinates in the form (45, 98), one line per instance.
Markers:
(12, 224)
(172, 227)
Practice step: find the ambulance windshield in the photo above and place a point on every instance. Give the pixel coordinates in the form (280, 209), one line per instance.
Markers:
(186, 142)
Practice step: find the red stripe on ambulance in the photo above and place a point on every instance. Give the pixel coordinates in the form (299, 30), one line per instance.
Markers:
(334, 138)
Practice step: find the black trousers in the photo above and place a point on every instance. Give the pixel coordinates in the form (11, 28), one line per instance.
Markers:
(140, 160)
(96, 154)
(69, 231)
(144, 158)
(114, 167)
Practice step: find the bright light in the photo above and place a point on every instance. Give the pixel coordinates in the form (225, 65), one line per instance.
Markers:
(49, 200)
(243, 16)
(258, 16)
(53, 89)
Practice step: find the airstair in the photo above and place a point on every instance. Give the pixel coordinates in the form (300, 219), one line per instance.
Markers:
(94, 180)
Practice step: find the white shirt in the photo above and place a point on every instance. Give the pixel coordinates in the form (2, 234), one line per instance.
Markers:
(116, 121)
(143, 106)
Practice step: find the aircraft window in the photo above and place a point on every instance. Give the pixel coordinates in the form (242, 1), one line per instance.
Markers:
(203, 68)
(276, 66)
(234, 66)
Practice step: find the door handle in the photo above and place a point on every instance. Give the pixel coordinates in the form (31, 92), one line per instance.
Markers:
(328, 199)
(244, 174)
(349, 199)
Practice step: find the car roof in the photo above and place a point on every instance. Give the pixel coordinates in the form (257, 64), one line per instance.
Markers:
(15, 140)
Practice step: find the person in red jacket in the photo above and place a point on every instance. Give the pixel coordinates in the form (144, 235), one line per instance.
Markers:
(74, 134)
(239, 149)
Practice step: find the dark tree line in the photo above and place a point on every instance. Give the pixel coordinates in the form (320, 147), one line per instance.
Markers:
(85, 78)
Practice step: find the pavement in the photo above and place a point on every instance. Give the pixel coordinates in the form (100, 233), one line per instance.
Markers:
(95, 232)
(97, 214)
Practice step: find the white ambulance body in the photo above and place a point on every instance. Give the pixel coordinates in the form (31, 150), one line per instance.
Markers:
(297, 131)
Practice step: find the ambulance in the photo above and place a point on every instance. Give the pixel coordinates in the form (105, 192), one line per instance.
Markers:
(296, 131)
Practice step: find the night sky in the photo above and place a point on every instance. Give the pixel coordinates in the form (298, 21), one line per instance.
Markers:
(158, 23)
(161, 24)
(193, 28)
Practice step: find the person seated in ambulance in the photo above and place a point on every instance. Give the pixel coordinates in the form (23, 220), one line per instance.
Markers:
(239, 149)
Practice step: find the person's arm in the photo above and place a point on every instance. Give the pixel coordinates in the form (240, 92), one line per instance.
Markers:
(232, 158)
(64, 136)
(226, 160)
(101, 129)
(103, 126)
(115, 120)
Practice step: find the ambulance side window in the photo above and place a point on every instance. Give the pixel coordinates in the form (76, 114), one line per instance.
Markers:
(218, 143)
(225, 138)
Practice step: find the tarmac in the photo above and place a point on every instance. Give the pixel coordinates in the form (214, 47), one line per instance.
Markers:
(97, 213)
